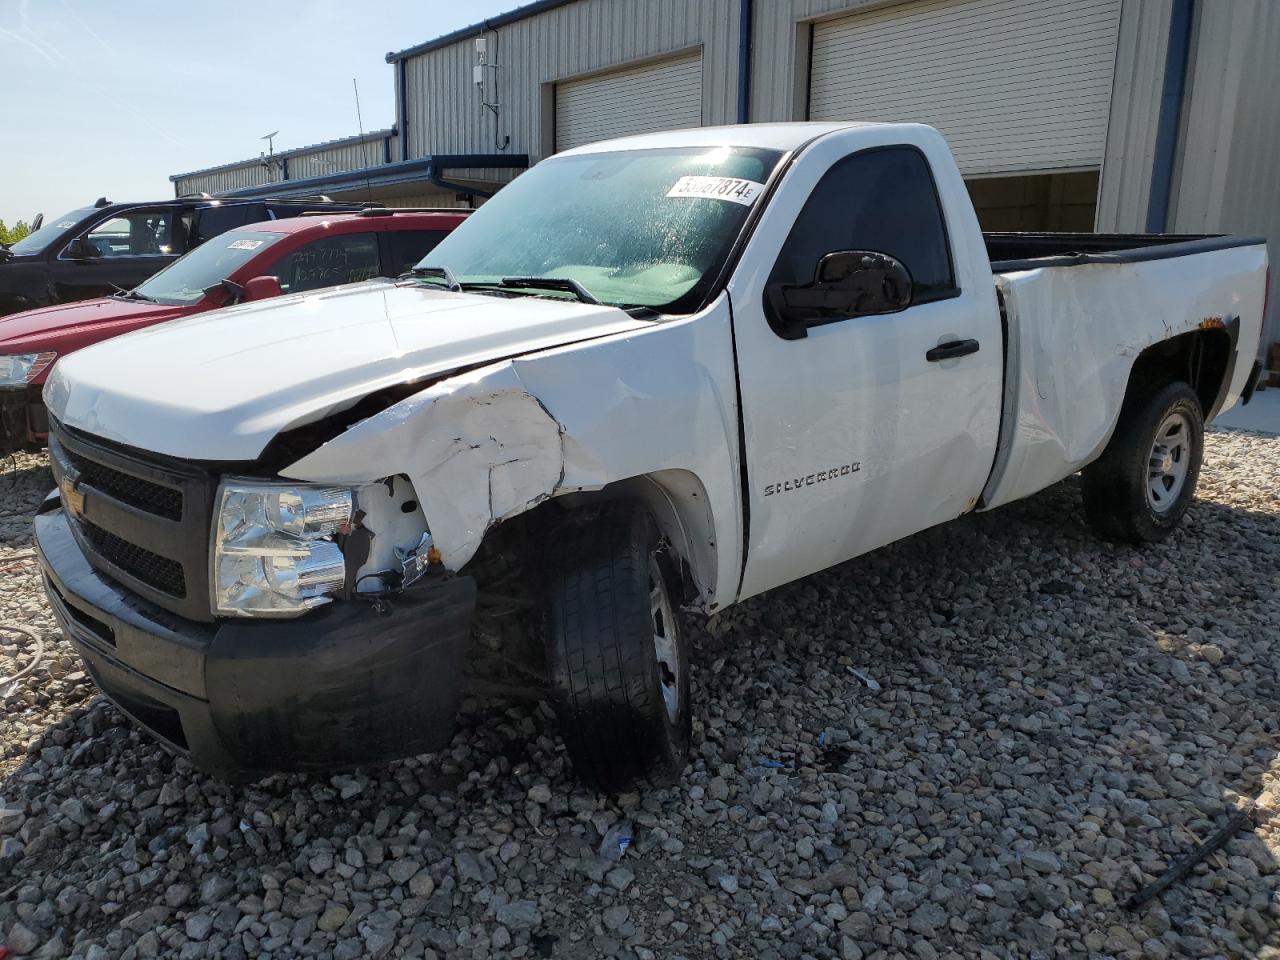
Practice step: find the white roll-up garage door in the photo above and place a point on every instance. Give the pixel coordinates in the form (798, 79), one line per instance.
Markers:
(661, 95)
(1014, 85)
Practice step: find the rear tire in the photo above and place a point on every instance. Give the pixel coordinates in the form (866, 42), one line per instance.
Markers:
(619, 667)
(1141, 486)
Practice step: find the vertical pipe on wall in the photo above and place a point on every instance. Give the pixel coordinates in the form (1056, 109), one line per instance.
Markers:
(1177, 60)
(744, 61)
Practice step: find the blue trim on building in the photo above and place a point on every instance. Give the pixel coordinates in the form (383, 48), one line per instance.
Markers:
(402, 108)
(421, 170)
(1177, 60)
(744, 61)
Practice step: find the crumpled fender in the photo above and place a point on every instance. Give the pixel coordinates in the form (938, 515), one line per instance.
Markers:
(479, 448)
(649, 414)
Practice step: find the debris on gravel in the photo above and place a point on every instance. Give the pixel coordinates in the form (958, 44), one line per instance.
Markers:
(1053, 721)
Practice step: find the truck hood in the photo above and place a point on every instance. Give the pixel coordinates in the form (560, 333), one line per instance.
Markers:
(76, 325)
(221, 385)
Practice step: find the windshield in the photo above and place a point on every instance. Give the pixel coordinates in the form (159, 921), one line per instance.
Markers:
(186, 279)
(647, 228)
(36, 242)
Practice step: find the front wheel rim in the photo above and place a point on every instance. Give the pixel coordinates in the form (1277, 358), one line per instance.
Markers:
(670, 669)
(1169, 463)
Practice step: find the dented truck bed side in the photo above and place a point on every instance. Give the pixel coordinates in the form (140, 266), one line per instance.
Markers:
(1074, 331)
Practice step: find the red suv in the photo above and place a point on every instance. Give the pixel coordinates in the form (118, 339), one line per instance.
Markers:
(253, 262)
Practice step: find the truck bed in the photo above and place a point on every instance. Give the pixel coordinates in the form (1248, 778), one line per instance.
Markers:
(1027, 251)
(1072, 335)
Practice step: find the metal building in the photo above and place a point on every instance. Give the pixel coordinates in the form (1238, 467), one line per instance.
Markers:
(367, 167)
(1117, 115)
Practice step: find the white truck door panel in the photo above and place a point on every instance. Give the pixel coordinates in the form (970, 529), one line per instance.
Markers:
(854, 438)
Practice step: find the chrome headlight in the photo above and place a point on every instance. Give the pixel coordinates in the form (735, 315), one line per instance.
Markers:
(19, 370)
(273, 552)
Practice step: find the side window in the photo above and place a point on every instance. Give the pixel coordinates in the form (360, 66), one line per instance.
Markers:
(883, 200)
(328, 262)
(406, 247)
(211, 221)
(140, 233)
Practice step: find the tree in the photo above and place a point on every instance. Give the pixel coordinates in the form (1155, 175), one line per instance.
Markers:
(18, 231)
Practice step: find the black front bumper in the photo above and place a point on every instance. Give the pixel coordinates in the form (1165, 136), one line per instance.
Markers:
(352, 683)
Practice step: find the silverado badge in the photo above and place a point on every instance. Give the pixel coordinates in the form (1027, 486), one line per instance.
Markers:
(72, 497)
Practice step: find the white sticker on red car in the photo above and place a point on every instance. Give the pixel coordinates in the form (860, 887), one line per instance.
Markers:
(244, 244)
(733, 189)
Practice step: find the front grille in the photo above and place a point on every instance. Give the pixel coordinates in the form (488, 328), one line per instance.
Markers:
(152, 497)
(141, 519)
(151, 568)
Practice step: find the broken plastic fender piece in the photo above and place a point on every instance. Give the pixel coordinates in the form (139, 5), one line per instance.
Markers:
(478, 448)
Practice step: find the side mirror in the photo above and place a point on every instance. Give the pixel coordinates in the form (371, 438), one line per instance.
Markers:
(261, 288)
(79, 249)
(224, 294)
(847, 283)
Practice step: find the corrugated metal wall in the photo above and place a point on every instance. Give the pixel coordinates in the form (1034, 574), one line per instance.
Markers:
(317, 161)
(444, 110)
(1228, 175)
(251, 173)
(324, 161)
(428, 200)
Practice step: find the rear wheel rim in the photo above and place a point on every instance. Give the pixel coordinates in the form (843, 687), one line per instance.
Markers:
(670, 669)
(1169, 462)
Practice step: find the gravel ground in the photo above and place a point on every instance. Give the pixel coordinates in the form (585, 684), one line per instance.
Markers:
(1056, 721)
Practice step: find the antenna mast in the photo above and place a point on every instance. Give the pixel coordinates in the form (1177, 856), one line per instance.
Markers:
(368, 184)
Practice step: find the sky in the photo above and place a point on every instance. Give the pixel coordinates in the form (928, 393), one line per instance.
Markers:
(111, 97)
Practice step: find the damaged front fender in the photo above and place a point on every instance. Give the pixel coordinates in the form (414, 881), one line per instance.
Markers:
(478, 447)
(647, 414)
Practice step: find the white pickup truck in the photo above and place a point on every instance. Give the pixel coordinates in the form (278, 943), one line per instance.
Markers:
(668, 371)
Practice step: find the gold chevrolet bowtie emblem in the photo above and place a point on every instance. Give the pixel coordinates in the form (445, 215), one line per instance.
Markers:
(72, 498)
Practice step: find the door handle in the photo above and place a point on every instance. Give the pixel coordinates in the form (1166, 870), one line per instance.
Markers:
(952, 349)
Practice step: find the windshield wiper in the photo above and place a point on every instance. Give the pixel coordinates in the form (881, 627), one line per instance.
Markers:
(444, 272)
(564, 284)
(567, 284)
(123, 294)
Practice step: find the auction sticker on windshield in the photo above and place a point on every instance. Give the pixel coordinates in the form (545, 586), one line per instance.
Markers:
(244, 244)
(718, 188)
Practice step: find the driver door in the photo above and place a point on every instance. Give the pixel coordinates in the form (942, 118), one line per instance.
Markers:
(857, 432)
(120, 251)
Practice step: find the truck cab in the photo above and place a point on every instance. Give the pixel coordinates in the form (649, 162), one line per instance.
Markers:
(663, 372)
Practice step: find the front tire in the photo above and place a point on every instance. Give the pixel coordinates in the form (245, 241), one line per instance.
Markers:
(616, 650)
(1142, 485)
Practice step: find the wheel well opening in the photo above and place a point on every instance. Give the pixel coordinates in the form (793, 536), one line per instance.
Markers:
(676, 500)
(1200, 358)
